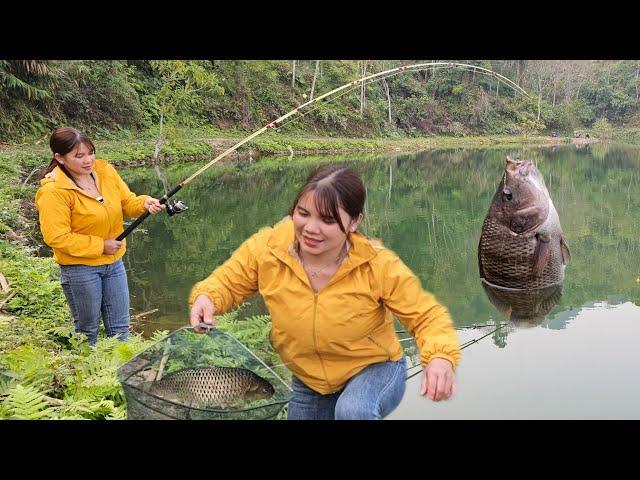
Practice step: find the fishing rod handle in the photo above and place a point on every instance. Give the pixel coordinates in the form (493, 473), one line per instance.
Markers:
(130, 228)
(141, 218)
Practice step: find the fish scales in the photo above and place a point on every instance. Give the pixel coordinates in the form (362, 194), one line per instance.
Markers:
(522, 244)
(212, 385)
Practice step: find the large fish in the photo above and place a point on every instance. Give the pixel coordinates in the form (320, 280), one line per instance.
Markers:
(521, 245)
(209, 386)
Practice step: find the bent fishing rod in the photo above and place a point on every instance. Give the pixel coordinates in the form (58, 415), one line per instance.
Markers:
(178, 206)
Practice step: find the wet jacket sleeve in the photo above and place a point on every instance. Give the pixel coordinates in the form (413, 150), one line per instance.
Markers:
(54, 209)
(132, 204)
(236, 279)
(423, 317)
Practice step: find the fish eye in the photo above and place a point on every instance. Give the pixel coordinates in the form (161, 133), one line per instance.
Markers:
(506, 193)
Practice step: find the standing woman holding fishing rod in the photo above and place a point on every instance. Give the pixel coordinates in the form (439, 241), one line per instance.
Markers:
(331, 293)
(81, 205)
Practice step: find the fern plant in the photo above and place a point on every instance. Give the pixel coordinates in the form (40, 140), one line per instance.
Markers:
(27, 403)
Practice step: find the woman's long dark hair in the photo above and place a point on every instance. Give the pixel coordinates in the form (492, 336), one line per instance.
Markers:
(62, 141)
(334, 187)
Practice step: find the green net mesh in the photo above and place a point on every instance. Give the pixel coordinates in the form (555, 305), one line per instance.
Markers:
(209, 376)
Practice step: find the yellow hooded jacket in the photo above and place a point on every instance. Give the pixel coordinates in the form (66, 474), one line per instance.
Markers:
(326, 338)
(75, 224)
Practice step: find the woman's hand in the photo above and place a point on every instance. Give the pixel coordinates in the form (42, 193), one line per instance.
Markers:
(202, 311)
(438, 381)
(153, 205)
(111, 246)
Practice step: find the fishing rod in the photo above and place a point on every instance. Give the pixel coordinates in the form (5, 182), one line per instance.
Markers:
(179, 207)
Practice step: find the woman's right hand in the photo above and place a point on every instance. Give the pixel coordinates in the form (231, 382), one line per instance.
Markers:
(111, 246)
(202, 310)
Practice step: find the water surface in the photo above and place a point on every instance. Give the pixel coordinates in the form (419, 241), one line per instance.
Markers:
(577, 362)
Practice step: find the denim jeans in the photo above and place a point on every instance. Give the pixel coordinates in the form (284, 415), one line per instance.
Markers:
(97, 291)
(372, 394)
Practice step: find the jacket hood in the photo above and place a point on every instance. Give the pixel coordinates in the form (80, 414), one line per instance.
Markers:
(60, 179)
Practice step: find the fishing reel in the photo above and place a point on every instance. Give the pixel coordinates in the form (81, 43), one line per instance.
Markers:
(176, 207)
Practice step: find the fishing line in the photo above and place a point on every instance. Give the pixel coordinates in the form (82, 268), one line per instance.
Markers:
(462, 347)
(465, 345)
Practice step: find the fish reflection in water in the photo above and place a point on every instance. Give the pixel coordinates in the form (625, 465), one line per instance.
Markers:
(525, 307)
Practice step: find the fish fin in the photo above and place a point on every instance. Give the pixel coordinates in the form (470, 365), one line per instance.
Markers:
(542, 254)
(564, 248)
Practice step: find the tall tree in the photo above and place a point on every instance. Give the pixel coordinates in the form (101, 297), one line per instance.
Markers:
(315, 76)
(363, 73)
(182, 80)
(293, 74)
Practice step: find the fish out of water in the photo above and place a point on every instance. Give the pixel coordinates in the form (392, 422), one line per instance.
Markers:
(209, 386)
(522, 245)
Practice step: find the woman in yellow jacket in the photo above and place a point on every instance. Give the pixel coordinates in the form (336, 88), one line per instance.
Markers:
(331, 293)
(81, 204)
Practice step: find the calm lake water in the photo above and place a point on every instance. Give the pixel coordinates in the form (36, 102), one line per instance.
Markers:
(577, 361)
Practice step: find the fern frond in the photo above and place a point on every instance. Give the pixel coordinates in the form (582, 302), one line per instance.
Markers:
(119, 413)
(27, 403)
(31, 364)
(159, 335)
(64, 331)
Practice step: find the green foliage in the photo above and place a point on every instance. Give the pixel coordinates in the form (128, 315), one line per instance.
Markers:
(98, 95)
(25, 403)
(36, 282)
(47, 370)
(602, 129)
(627, 135)
(182, 86)
(129, 98)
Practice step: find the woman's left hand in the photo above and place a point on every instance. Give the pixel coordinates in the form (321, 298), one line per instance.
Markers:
(153, 205)
(438, 380)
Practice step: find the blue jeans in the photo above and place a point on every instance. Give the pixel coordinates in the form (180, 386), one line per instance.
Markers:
(372, 394)
(97, 291)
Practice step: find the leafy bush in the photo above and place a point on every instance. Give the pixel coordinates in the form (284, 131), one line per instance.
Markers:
(602, 129)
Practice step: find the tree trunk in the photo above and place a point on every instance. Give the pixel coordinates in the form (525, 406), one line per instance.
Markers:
(555, 84)
(362, 87)
(522, 64)
(159, 140)
(293, 76)
(579, 87)
(315, 75)
(539, 95)
(539, 99)
(637, 74)
(386, 91)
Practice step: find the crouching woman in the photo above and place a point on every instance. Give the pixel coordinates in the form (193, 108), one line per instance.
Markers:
(331, 293)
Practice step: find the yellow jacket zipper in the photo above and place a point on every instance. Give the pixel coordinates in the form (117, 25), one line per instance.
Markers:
(315, 343)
